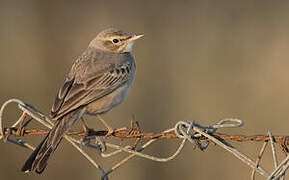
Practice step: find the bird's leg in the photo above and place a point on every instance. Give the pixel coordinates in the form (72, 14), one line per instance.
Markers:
(109, 128)
(86, 129)
(85, 140)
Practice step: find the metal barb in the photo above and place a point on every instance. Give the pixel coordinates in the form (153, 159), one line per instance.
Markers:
(187, 131)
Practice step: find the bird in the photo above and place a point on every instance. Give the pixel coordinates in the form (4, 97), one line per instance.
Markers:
(99, 80)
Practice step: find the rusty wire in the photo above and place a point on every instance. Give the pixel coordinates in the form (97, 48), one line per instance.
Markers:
(133, 133)
(186, 131)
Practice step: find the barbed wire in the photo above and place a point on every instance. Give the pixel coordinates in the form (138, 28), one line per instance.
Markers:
(187, 131)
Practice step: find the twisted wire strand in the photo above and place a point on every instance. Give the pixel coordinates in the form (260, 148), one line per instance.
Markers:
(186, 131)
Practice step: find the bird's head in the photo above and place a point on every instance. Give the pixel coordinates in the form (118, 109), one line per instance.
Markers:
(114, 40)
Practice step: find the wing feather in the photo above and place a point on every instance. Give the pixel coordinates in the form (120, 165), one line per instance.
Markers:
(61, 95)
(74, 94)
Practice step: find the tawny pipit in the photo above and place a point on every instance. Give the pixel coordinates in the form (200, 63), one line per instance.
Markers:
(99, 80)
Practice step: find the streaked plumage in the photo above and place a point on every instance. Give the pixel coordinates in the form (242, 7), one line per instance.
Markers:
(91, 78)
(99, 80)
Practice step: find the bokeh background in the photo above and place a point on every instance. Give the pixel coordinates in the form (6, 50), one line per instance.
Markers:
(199, 60)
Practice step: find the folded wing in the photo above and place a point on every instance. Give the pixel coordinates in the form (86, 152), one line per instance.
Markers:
(77, 92)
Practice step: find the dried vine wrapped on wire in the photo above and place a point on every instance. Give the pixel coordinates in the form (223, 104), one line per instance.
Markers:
(187, 131)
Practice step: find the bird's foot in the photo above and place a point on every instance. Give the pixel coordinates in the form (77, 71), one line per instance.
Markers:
(87, 136)
(87, 131)
(110, 132)
(134, 127)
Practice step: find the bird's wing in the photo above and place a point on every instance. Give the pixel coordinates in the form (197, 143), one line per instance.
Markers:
(77, 92)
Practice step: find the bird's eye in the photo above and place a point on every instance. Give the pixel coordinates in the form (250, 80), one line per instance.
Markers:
(115, 41)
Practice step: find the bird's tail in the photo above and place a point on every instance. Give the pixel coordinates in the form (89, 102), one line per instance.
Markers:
(39, 157)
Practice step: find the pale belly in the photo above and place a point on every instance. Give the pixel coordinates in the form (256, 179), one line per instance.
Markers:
(107, 102)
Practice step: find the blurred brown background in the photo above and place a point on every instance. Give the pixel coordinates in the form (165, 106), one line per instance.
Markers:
(212, 60)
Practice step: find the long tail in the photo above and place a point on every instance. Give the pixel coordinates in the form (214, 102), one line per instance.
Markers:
(39, 157)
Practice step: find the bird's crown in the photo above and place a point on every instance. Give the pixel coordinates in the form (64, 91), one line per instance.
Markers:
(114, 40)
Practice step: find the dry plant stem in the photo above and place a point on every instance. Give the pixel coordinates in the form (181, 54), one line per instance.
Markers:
(276, 173)
(259, 159)
(273, 149)
(2, 112)
(69, 139)
(274, 152)
(285, 168)
(235, 152)
(105, 155)
(134, 154)
(21, 143)
(186, 131)
(46, 122)
(20, 120)
(40, 117)
(149, 156)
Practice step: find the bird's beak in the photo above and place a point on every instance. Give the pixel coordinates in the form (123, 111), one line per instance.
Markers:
(136, 36)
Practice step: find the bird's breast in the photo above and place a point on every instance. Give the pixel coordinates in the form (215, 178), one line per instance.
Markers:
(109, 101)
